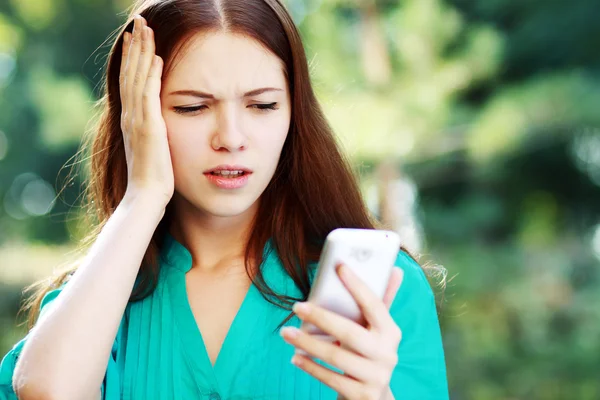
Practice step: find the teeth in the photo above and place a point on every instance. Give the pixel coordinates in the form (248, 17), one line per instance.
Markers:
(228, 173)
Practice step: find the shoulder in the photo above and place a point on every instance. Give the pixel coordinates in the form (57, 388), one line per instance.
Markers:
(421, 369)
(414, 308)
(414, 281)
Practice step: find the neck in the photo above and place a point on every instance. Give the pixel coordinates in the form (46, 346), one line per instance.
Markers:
(217, 243)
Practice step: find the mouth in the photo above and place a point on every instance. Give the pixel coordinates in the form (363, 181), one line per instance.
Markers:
(228, 174)
(226, 170)
(228, 179)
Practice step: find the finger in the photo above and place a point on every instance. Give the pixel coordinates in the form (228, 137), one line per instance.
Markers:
(350, 363)
(343, 385)
(132, 61)
(146, 58)
(123, 71)
(393, 286)
(351, 334)
(372, 307)
(151, 97)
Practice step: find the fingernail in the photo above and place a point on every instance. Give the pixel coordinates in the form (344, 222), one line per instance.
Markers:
(290, 332)
(296, 360)
(301, 308)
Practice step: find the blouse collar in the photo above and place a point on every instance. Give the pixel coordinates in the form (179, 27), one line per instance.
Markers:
(176, 255)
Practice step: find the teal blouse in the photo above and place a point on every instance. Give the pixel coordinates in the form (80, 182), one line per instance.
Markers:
(158, 352)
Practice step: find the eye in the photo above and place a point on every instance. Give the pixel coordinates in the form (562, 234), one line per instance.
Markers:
(265, 107)
(261, 107)
(187, 110)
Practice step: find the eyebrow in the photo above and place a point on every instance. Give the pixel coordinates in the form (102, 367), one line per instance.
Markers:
(202, 95)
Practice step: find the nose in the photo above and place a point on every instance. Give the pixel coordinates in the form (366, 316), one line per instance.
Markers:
(228, 134)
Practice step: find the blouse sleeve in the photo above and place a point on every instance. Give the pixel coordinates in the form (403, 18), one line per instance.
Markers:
(109, 389)
(421, 370)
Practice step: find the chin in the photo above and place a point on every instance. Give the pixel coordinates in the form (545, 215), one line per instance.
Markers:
(225, 211)
(231, 207)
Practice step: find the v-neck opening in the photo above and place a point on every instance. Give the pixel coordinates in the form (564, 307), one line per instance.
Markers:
(193, 346)
(196, 353)
(234, 321)
(232, 336)
(193, 339)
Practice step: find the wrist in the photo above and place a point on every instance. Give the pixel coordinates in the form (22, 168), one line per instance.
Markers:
(152, 202)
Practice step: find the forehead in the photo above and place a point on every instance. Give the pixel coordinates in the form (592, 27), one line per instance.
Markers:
(225, 63)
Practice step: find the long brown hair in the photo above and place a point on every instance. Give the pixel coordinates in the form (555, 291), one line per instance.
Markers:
(314, 189)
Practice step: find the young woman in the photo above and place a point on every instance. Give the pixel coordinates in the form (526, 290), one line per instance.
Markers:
(215, 180)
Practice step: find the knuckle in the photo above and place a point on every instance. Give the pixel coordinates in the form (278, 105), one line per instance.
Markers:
(396, 333)
(392, 359)
(334, 355)
(370, 306)
(374, 393)
(337, 381)
(381, 381)
(346, 337)
(366, 394)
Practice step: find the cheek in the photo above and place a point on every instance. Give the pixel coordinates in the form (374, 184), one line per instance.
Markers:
(186, 146)
(185, 134)
(271, 135)
(181, 126)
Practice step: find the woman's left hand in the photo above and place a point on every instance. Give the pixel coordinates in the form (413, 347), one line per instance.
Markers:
(367, 355)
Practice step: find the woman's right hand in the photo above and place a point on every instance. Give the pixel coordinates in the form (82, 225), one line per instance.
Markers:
(149, 167)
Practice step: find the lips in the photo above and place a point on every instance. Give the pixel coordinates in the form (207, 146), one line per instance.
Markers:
(225, 167)
(228, 182)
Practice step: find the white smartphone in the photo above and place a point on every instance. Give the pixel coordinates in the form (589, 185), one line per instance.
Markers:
(369, 253)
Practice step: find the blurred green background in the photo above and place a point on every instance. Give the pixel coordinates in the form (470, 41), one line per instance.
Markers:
(475, 126)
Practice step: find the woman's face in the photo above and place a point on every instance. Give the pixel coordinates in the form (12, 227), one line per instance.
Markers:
(227, 123)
